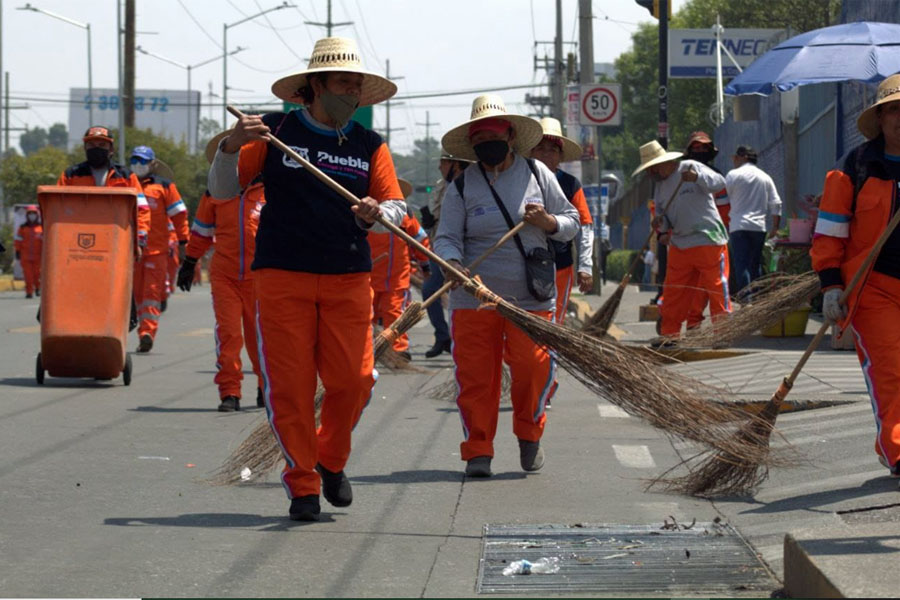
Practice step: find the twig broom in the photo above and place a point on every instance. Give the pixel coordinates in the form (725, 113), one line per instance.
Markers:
(675, 403)
(598, 323)
(724, 473)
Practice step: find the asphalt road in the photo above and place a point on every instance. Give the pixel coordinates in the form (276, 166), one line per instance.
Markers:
(102, 494)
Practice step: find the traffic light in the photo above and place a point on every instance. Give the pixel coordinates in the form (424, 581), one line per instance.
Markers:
(653, 7)
(424, 188)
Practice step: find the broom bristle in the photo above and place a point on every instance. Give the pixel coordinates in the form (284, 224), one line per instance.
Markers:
(598, 323)
(773, 298)
(446, 392)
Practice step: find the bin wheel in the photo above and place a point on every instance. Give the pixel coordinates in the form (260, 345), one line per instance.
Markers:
(39, 370)
(126, 372)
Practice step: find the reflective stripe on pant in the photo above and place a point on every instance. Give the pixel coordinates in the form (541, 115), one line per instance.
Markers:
(309, 325)
(387, 308)
(482, 340)
(563, 289)
(704, 267)
(31, 269)
(234, 303)
(436, 310)
(149, 286)
(878, 346)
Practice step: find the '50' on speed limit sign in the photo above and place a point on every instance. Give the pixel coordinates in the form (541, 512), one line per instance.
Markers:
(601, 104)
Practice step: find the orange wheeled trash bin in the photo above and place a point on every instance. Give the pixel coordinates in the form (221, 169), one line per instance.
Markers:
(90, 240)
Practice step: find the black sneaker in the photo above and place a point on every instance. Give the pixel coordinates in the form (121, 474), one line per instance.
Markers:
(29, 296)
(163, 306)
(37, 292)
(305, 508)
(480, 466)
(145, 345)
(531, 455)
(230, 404)
(260, 402)
(335, 487)
(438, 349)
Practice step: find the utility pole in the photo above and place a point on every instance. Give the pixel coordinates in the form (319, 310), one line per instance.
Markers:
(663, 91)
(428, 124)
(127, 101)
(120, 143)
(590, 169)
(387, 106)
(558, 75)
(329, 24)
(4, 148)
(6, 110)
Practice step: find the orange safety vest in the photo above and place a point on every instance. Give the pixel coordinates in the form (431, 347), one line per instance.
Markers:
(29, 241)
(165, 203)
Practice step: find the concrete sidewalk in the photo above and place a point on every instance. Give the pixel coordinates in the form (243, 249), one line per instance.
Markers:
(830, 529)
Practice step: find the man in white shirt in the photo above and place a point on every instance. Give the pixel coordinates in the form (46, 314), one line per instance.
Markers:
(753, 196)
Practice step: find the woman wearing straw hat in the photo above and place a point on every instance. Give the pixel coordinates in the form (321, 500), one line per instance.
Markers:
(228, 226)
(312, 263)
(554, 148)
(858, 201)
(686, 214)
(391, 273)
(486, 201)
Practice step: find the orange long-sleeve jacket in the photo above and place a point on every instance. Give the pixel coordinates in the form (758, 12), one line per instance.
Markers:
(392, 271)
(165, 203)
(118, 176)
(231, 226)
(29, 241)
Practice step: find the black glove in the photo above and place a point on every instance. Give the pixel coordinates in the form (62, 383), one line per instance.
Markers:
(186, 274)
(427, 218)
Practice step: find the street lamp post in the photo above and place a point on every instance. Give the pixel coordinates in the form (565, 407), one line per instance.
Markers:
(192, 140)
(86, 27)
(225, 28)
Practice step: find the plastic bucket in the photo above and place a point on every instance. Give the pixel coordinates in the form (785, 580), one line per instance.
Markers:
(793, 325)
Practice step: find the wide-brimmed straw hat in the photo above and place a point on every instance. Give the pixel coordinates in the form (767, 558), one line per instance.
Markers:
(652, 153)
(336, 54)
(447, 156)
(213, 145)
(888, 91)
(406, 188)
(490, 106)
(571, 150)
(163, 170)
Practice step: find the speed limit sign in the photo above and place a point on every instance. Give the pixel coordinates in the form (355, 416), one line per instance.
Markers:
(601, 104)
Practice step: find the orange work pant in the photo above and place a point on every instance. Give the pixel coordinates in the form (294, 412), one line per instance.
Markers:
(700, 300)
(387, 308)
(877, 326)
(309, 325)
(31, 269)
(703, 267)
(482, 340)
(149, 291)
(564, 280)
(234, 303)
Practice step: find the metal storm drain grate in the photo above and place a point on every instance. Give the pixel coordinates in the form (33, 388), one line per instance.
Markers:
(704, 559)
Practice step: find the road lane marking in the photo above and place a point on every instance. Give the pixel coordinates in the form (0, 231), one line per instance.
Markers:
(611, 411)
(636, 457)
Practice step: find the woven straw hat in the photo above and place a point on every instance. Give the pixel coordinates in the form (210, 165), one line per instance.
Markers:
(888, 91)
(405, 187)
(490, 106)
(570, 149)
(653, 153)
(336, 54)
(163, 170)
(213, 144)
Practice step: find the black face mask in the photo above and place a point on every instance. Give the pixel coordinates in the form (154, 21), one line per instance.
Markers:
(97, 157)
(492, 153)
(704, 157)
(451, 173)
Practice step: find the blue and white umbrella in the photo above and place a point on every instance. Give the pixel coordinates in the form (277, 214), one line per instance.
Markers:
(864, 51)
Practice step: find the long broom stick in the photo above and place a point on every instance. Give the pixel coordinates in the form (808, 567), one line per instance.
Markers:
(259, 453)
(598, 323)
(675, 403)
(723, 473)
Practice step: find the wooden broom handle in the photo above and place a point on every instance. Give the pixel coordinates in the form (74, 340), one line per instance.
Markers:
(627, 277)
(506, 237)
(352, 199)
(857, 277)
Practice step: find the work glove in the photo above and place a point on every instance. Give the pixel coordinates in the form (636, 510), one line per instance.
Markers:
(832, 308)
(186, 274)
(427, 218)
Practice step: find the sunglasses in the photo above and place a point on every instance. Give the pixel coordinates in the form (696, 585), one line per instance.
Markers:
(137, 160)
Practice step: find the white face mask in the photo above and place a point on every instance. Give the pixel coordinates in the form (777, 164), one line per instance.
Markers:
(31, 218)
(141, 170)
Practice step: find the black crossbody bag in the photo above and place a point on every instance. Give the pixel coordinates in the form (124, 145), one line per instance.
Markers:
(540, 263)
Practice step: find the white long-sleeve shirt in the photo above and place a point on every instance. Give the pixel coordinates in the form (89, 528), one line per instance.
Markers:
(753, 196)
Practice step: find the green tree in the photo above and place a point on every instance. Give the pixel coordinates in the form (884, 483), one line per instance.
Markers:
(421, 167)
(33, 140)
(690, 99)
(57, 136)
(21, 175)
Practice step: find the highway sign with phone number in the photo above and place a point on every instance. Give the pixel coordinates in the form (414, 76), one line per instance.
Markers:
(601, 104)
(160, 103)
